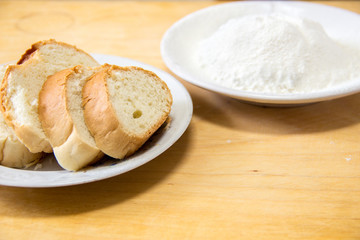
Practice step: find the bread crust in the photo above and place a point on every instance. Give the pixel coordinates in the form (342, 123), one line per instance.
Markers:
(33, 140)
(12, 152)
(25, 134)
(35, 46)
(71, 152)
(55, 121)
(101, 119)
(74, 154)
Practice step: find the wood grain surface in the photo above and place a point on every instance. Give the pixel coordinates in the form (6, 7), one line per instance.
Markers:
(239, 171)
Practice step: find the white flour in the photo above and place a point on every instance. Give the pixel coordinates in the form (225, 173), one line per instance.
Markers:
(276, 54)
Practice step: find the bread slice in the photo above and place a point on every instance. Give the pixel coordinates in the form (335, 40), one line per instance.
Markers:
(22, 83)
(62, 118)
(12, 152)
(123, 107)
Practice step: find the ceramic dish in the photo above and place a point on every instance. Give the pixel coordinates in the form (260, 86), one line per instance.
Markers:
(180, 41)
(52, 175)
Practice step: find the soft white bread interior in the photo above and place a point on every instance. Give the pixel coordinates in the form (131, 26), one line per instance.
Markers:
(62, 118)
(123, 107)
(22, 83)
(12, 152)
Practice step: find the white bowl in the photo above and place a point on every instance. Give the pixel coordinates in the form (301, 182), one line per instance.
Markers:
(178, 45)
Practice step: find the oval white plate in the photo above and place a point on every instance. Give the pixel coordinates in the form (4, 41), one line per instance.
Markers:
(179, 44)
(52, 175)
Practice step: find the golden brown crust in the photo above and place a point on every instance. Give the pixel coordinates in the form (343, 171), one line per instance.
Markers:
(101, 119)
(12, 152)
(15, 155)
(23, 133)
(53, 115)
(27, 55)
(34, 47)
(33, 140)
(3, 100)
(70, 150)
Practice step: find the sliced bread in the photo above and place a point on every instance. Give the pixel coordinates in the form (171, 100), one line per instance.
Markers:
(22, 83)
(62, 118)
(123, 107)
(12, 152)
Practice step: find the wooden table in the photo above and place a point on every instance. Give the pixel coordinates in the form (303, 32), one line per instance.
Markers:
(239, 171)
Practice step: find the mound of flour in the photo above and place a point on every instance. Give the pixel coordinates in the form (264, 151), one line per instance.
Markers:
(276, 54)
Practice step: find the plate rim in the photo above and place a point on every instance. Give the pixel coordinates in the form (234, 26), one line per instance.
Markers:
(83, 176)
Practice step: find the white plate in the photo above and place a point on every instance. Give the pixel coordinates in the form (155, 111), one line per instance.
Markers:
(178, 44)
(52, 175)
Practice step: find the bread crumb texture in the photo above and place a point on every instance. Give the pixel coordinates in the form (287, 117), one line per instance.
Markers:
(139, 97)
